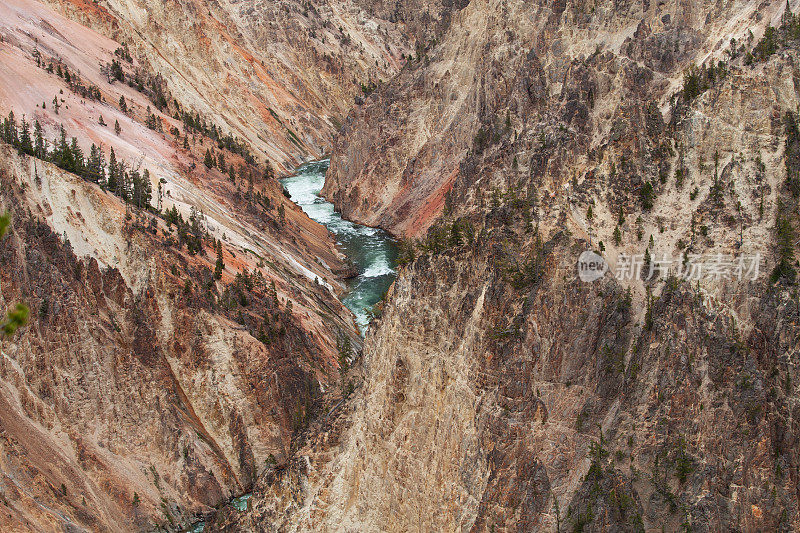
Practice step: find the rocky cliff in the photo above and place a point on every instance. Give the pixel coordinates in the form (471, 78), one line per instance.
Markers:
(185, 318)
(500, 392)
(513, 66)
(280, 75)
(145, 394)
(496, 390)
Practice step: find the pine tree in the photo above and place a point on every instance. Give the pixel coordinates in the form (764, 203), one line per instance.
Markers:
(142, 189)
(39, 146)
(147, 189)
(220, 266)
(124, 183)
(786, 241)
(160, 200)
(117, 129)
(221, 161)
(76, 158)
(10, 130)
(269, 171)
(113, 171)
(25, 141)
(62, 155)
(93, 165)
(209, 159)
(101, 166)
(123, 105)
(647, 196)
(135, 187)
(116, 70)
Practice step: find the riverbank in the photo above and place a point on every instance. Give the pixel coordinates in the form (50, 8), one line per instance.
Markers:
(372, 251)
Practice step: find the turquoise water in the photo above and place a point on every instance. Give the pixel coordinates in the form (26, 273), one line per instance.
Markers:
(372, 251)
(240, 503)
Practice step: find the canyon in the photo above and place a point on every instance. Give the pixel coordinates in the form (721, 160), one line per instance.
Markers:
(501, 392)
(493, 389)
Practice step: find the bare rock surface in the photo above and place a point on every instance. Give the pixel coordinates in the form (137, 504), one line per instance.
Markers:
(500, 392)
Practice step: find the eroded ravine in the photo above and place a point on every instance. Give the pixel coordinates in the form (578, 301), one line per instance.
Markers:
(372, 251)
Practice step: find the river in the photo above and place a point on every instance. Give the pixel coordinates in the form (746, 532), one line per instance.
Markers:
(372, 251)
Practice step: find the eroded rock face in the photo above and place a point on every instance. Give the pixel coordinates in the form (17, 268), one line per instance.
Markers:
(282, 75)
(497, 391)
(553, 394)
(148, 387)
(400, 153)
(501, 392)
(130, 401)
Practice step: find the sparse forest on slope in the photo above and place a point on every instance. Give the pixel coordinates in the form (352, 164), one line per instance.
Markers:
(281, 75)
(500, 391)
(185, 317)
(186, 341)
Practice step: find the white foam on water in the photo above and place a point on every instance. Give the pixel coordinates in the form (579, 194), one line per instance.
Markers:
(378, 268)
(369, 248)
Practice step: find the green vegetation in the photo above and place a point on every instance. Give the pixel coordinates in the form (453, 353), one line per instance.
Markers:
(792, 154)
(647, 196)
(219, 265)
(153, 122)
(156, 477)
(154, 86)
(345, 348)
(527, 270)
(18, 316)
(129, 184)
(273, 322)
(683, 463)
(785, 237)
(123, 52)
(74, 82)
(189, 232)
(697, 80)
(406, 252)
(193, 122)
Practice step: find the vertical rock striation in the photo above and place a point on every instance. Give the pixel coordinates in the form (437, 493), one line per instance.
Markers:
(500, 392)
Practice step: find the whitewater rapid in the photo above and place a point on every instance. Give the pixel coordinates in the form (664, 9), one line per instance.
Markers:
(372, 251)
